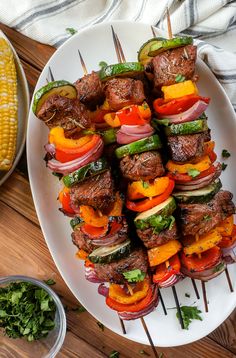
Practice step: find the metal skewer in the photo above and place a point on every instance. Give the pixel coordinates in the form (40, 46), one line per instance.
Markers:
(204, 295)
(195, 288)
(50, 77)
(178, 307)
(162, 302)
(149, 338)
(229, 280)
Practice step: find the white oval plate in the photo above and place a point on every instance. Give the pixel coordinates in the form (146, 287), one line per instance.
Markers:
(23, 107)
(96, 45)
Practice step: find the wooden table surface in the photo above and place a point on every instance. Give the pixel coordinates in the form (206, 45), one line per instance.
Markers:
(24, 251)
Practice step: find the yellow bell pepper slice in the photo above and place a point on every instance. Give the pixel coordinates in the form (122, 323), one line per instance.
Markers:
(204, 243)
(160, 254)
(112, 120)
(57, 137)
(118, 294)
(92, 217)
(204, 164)
(140, 189)
(145, 111)
(226, 226)
(179, 89)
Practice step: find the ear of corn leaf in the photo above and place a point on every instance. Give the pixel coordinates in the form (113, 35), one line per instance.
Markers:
(8, 106)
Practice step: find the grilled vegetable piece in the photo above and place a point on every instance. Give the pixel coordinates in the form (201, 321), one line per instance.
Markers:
(8, 110)
(106, 254)
(198, 126)
(204, 243)
(160, 254)
(126, 69)
(179, 90)
(61, 88)
(168, 44)
(108, 136)
(143, 145)
(143, 56)
(86, 171)
(198, 196)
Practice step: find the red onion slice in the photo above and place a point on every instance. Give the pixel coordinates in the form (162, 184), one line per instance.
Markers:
(91, 275)
(128, 134)
(171, 281)
(151, 306)
(191, 114)
(229, 254)
(50, 148)
(103, 290)
(113, 240)
(136, 129)
(205, 275)
(68, 167)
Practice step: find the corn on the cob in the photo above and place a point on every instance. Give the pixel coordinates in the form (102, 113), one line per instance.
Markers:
(8, 106)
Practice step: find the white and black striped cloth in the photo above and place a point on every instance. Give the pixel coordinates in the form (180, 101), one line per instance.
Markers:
(213, 22)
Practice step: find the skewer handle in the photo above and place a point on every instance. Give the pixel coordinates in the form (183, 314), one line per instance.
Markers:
(229, 280)
(204, 295)
(195, 288)
(149, 337)
(178, 307)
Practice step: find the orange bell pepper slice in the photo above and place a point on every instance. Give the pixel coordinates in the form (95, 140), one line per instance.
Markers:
(81, 254)
(147, 204)
(196, 263)
(145, 111)
(228, 241)
(140, 189)
(167, 269)
(112, 120)
(202, 165)
(57, 137)
(226, 226)
(135, 307)
(117, 207)
(92, 231)
(64, 199)
(93, 217)
(160, 254)
(118, 294)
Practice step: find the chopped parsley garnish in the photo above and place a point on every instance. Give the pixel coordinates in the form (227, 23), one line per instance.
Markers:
(189, 313)
(71, 31)
(206, 217)
(179, 78)
(102, 64)
(145, 184)
(50, 282)
(219, 267)
(114, 354)
(100, 325)
(193, 172)
(187, 295)
(26, 310)
(225, 153)
(134, 275)
(164, 122)
(223, 166)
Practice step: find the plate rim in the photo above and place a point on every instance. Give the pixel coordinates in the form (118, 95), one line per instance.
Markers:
(40, 216)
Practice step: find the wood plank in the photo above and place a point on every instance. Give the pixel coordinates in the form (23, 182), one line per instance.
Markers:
(32, 75)
(41, 266)
(31, 51)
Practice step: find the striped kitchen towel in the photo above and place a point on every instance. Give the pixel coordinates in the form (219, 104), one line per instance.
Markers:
(213, 22)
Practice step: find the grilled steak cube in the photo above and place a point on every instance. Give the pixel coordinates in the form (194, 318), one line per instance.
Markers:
(167, 65)
(151, 239)
(113, 272)
(201, 218)
(64, 112)
(144, 166)
(97, 191)
(184, 148)
(90, 90)
(121, 92)
(80, 240)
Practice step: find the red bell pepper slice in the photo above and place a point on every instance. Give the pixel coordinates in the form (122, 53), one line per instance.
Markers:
(164, 272)
(207, 260)
(178, 105)
(147, 204)
(94, 232)
(228, 241)
(130, 116)
(136, 307)
(64, 155)
(184, 178)
(64, 198)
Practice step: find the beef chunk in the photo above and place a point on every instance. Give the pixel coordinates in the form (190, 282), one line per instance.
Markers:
(90, 90)
(184, 148)
(64, 112)
(97, 191)
(113, 272)
(167, 65)
(121, 92)
(201, 218)
(80, 240)
(144, 166)
(151, 239)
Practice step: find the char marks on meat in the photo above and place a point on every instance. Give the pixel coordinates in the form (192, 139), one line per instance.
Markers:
(201, 218)
(168, 64)
(79, 240)
(64, 112)
(113, 272)
(151, 239)
(121, 92)
(97, 191)
(144, 166)
(184, 148)
(90, 90)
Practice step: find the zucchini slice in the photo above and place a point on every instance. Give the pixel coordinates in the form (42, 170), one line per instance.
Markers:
(62, 88)
(197, 126)
(145, 48)
(169, 44)
(200, 195)
(107, 254)
(84, 172)
(76, 221)
(128, 69)
(143, 145)
(158, 217)
(109, 135)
